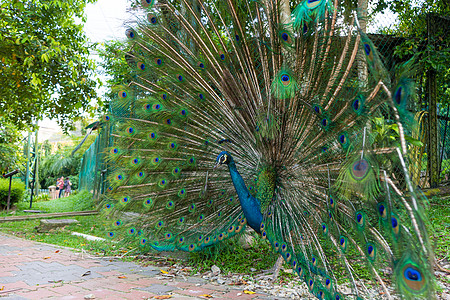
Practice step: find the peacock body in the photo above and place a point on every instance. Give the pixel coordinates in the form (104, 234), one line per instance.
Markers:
(241, 113)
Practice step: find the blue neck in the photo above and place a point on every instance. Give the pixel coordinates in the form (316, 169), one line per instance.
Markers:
(250, 205)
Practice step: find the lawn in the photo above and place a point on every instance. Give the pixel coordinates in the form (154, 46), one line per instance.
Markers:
(229, 256)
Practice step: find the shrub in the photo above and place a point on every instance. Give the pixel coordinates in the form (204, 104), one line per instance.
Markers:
(17, 190)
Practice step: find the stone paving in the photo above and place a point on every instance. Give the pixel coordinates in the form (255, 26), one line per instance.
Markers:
(31, 270)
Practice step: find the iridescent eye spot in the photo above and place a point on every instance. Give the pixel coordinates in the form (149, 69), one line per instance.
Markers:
(168, 121)
(152, 135)
(130, 130)
(142, 67)
(367, 49)
(175, 170)
(219, 214)
(118, 223)
(324, 149)
(356, 104)
(327, 282)
(222, 56)
(317, 109)
(140, 174)
(115, 150)
(201, 65)
(342, 138)
(183, 112)
(119, 177)
(394, 222)
(143, 241)
(180, 78)
(164, 96)
(172, 145)
(359, 217)
(153, 20)
(370, 249)
(413, 274)
(285, 78)
(107, 118)
(191, 160)
(123, 94)
(398, 95)
(181, 220)
(381, 210)
(324, 122)
(111, 234)
(108, 205)
(135, 161)
(200, 96)
(157, 106)
(156, 159)
(284, 36)
(237, 38)
(342, 241)
(124, 199)
(158, 61)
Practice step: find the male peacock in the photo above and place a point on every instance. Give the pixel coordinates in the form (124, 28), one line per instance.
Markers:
(240, 113)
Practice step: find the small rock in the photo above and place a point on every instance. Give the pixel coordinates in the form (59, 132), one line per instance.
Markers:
(246, 241)
(252, 270)
(89, 296)
(215, 270)
(220, 281)
(238, 294)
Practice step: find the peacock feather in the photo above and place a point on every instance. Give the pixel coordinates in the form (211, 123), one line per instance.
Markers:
(234, 117)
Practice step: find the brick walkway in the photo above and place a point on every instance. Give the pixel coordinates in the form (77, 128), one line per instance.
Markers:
(31, 270)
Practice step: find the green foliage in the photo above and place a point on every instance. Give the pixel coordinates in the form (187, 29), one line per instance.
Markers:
(230, 256)
(114, 65)
(10, 156)
(62, 163)
(44, 61)
(17, 190)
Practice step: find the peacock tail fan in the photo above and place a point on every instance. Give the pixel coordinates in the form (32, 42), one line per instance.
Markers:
(233, 116)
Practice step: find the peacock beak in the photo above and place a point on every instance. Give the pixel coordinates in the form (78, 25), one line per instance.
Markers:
(216, 165)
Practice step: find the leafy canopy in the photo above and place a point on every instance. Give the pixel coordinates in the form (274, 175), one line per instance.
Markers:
(44, 65)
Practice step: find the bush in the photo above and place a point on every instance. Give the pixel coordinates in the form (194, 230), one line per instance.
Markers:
(17, 190)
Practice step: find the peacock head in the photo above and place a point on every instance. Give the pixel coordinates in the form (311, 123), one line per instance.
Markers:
(224, 158)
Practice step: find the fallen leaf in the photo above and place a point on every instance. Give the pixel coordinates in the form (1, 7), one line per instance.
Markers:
(249, 292)
(163, 297)
(57, 251)
(121, 277)
(206, 295)
(2, 288)
(164, 272)
(86, 273)
(47, 257)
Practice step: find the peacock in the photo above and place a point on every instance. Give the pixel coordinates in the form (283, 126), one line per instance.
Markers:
(260, 114)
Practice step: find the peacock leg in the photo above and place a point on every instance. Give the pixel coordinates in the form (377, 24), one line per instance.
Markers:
(275, 270)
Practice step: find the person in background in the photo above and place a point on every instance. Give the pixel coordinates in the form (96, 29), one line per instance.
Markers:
(67, 185)
(60, 185)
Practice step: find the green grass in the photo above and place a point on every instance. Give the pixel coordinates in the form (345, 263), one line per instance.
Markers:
(77, 202)
(439, 216)
(231, 257)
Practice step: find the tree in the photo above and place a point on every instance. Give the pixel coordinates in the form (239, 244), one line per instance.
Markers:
(10, 156)
(44, 65)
